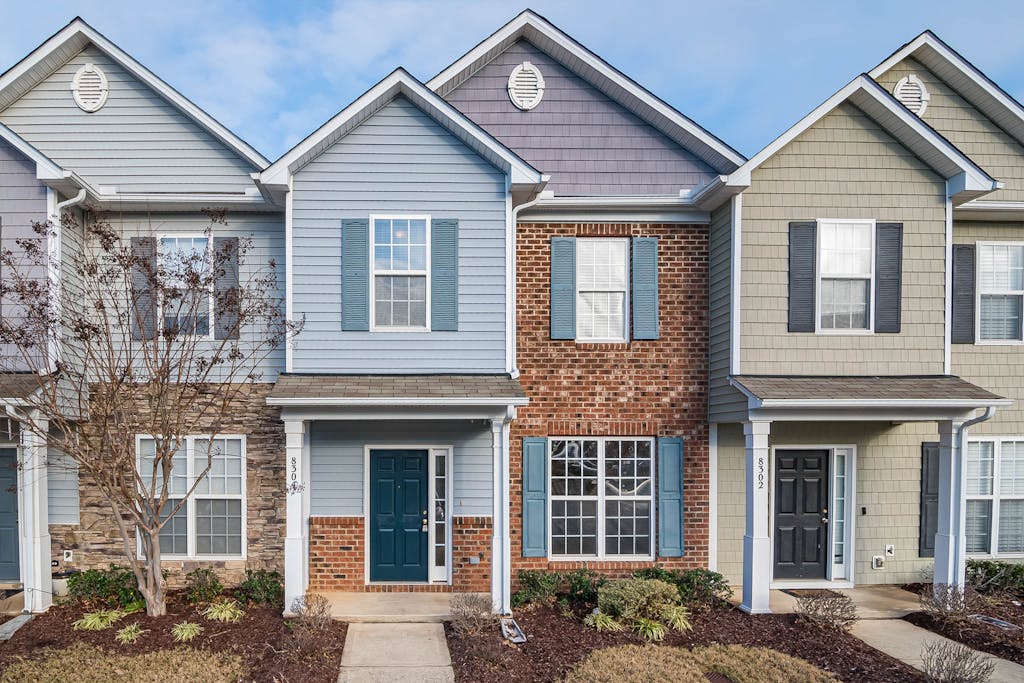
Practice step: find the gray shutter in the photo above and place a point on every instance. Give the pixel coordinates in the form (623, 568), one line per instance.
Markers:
(802, 253)
(535, 496)
(444, 274)
(645, 288)
(670, 497)
(355, 274)
(929, 499)
(145, 299)
(563, 287)
(963, 294)
(888, 276)
(225, 288)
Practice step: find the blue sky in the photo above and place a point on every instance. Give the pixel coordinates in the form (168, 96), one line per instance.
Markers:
(745, 70)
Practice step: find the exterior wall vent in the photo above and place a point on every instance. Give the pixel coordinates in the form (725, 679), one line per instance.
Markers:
(912, 94)
(526, 86)
(89, 86)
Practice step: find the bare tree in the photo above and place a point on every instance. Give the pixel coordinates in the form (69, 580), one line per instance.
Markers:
(131, 335)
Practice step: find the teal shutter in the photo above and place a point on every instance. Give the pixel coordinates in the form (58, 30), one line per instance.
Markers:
(444, 274)
(535, 496)
(355, 274)
(645, 288)
(227, 304)
(670, 497)
(563, 287)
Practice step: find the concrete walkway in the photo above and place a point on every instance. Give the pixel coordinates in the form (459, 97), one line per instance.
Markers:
(396, 652)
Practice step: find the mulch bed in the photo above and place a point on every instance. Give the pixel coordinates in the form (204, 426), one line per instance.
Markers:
(271, 647)
(977, 634)
(556, 643)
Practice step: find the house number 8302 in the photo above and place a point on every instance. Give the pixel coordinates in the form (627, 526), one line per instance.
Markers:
(760, 473)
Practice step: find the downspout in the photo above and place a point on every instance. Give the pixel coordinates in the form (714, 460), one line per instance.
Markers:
(514, 219)
(54, 253)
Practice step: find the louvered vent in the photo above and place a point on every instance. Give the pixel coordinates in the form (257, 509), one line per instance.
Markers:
(910, 91)
(525, 86)
(89, 87)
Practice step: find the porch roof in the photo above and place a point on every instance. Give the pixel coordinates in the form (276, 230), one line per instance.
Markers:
(377, 390)
(15, 386)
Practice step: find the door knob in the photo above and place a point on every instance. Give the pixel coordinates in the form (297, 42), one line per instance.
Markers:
(824, 520)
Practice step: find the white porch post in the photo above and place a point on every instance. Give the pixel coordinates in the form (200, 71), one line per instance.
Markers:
(951, 537)
(296, 542)
(501, 581)
(756, 544)
(35, 520)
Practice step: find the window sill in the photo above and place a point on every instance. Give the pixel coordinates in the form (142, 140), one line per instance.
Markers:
(999, 342)
(579, 340)
(592, 558)
(845, 333)
(404, 330)
(202, 558)
(997, 557)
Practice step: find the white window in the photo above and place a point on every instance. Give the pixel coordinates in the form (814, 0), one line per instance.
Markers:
(185, 310)
(1000, 291)
(602, 500)
(845, 275)
(401, 270)
(995, 497)
(602, 267)
(212, 521)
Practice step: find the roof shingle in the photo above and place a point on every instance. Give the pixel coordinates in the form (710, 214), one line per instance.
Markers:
(396, 386)
(867, 388)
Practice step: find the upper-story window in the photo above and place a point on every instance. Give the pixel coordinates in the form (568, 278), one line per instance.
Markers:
(401, 271)
(186, 310)
(1001, 291)
(602, 267)
(845, 275)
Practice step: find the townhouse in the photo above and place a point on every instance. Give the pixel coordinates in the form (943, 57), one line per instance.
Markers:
(551, 322)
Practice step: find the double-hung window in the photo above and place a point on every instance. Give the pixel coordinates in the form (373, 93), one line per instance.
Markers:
(602, 266)
(845, 274)
(602, 500)
(995, 497)
(1000, 291)
(187, 309)
(401, 262)
(212, 521)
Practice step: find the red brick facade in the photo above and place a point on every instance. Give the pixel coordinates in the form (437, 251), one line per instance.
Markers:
(644, 388)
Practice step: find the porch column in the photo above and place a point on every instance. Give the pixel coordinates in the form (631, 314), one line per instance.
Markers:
(501, 560)
(296, 542)
(951, 537)
(35, 527)
(756, 544)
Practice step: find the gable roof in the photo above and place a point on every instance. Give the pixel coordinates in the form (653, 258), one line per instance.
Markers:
(965, 180)
(603, 76)
(74, 37)
(400, 82)
(965, 78)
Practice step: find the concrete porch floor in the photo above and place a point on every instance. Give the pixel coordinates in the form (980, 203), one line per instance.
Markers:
(873, 602)
(390, 607)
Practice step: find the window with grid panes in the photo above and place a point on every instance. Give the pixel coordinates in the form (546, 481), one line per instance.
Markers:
(995, 497)
(183, 309)
(845, 266)
(400, 272)
(602, 267)
(1001, 291)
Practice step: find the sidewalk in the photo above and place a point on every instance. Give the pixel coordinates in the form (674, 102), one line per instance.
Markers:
(396, 652)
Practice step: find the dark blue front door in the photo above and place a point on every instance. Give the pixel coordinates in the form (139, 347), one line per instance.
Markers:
(9, 565)
(398, 515)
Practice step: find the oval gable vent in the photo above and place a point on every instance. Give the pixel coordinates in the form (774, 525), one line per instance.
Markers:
(89, 87)
(912, 94)
(526, 86)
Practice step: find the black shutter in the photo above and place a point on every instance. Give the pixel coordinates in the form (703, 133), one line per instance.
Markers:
(226, 294)
(963, 294)
(929, 499)
(802, 251)
(888, 276)
(144, 302)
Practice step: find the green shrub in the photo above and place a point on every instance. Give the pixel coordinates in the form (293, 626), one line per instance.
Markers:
(582, 585)
(130, 634)
(186, 631)
(98, 620)
(536, 587)
(697, 587)
(599, 621)
(202, 585)
(114, 587)
(991, 576)
(226, 611)
(649, 629)
(632, 599)
(261, 587)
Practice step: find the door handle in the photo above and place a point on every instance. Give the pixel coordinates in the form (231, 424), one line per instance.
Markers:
(426, 527)
(824, 520)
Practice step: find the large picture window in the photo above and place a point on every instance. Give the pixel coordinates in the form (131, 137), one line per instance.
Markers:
(995, 497)
(401, 257)
(1001, 291)
(602, 266)
(212, 522)
(846, 270)
(602, 497)
(184, 310)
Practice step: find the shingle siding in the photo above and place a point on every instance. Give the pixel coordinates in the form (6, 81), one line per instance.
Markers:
(725, 403)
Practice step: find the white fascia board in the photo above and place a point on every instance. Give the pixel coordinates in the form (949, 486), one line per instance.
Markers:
(883, 403)
(600, 74)
(643, 209)
(46, 168)
(399, 401)
(994, 210)
(78, 33)
(716, 193)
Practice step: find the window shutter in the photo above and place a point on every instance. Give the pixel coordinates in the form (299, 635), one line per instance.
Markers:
(225, 286)
(963, 294)
(929, 499)
(355, 274)
(670, 497)
(444, 274)
(145, 303)
(645, 288)
(535, 497)
(802, 253)
(563, 287)
(888, 276)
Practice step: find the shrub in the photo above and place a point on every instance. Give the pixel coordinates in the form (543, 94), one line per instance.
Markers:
(114, 587)
(946, 661)
(697, 587)
(226, 611)
(536, 587)
(129, 634)
(599, 621)
(261, 587)
(757, 665)
(990, 576)
(649, 629)
(186, 631)
(202, 585)
(98, 620)
(471, 613)
(631, 599)
(825, 610)
(948, 602)
(313, 611)
(582, 585)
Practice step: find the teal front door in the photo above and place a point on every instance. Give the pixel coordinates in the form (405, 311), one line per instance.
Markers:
(9, 565)
(398, 515)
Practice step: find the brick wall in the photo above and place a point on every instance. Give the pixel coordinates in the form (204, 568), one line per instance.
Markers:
(644, 388)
